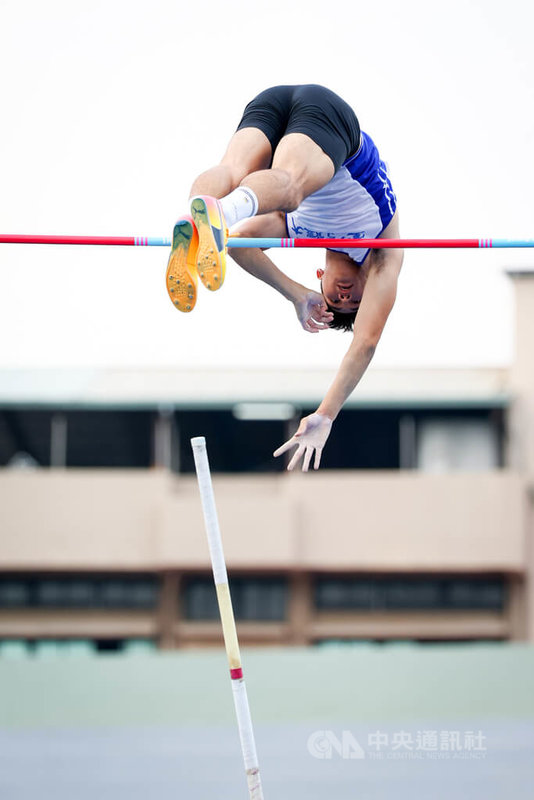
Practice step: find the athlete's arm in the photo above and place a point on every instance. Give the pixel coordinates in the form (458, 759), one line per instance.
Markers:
(310, 306)
(377, 301)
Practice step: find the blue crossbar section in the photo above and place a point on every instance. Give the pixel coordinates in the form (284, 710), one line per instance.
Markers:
(240, 241)
(154, 242)
(512, 242)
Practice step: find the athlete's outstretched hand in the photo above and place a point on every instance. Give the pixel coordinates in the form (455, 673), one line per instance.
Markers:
(312, 311)
(310, 437)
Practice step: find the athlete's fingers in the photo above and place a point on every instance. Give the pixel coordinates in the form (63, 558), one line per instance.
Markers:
(285, 447)
(322, 320)
(318, 454)
(317, 318)
(307, 458)
(312, 326)
(296, 457)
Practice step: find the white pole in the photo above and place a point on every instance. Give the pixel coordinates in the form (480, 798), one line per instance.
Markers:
(244, 721)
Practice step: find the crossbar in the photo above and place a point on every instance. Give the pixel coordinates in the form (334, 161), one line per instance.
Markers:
(239, 241)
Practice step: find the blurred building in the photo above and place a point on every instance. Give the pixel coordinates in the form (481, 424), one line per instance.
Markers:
(418, 526)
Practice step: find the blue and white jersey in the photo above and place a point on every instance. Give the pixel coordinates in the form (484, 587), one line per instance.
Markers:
(358, 203)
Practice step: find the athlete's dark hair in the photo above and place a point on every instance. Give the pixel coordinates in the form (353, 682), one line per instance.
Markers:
(342, 322)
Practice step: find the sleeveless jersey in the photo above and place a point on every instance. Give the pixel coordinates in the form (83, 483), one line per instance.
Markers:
(357, 203)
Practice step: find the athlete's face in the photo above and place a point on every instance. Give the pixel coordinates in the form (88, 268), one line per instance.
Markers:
(342, 284)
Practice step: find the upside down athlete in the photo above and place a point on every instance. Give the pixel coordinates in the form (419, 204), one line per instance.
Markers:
(299, 165)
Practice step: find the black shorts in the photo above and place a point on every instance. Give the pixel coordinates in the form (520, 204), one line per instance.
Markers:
(311, 109)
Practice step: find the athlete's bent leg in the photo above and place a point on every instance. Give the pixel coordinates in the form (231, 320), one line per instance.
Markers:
(299, 168)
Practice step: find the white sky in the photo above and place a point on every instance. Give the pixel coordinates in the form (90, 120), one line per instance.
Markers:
(110, 109)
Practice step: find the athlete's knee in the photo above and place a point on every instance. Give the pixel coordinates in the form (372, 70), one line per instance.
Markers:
(232, 172)
(294, 192)
(217, 181)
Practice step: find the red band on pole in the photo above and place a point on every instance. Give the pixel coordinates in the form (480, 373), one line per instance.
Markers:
(236, 674)
(105, 240)
(386, 243)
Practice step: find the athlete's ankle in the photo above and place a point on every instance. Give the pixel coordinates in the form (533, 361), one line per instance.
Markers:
(239, 204)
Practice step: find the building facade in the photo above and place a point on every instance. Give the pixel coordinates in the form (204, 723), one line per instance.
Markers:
(417, 527)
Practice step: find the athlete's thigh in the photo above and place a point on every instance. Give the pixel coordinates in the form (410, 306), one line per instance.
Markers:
(249, 150)
(307, 163)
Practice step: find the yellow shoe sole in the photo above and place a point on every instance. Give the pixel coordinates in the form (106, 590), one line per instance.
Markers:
(212, 237)
(181, 278)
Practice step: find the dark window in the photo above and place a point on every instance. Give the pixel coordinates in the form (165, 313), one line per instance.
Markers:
(94, 438)
(254, 598)
(109, 438)
(370, 438)
(25, 434)
(362, 438)
(233, 445)
(81, 591)
(410, 593)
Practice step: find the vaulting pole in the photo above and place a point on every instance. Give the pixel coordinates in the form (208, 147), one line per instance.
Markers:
(244, 721)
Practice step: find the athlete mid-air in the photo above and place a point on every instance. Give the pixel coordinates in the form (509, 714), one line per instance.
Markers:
(299, 165)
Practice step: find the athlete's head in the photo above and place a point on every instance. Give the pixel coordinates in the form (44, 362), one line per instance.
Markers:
(342, 287)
